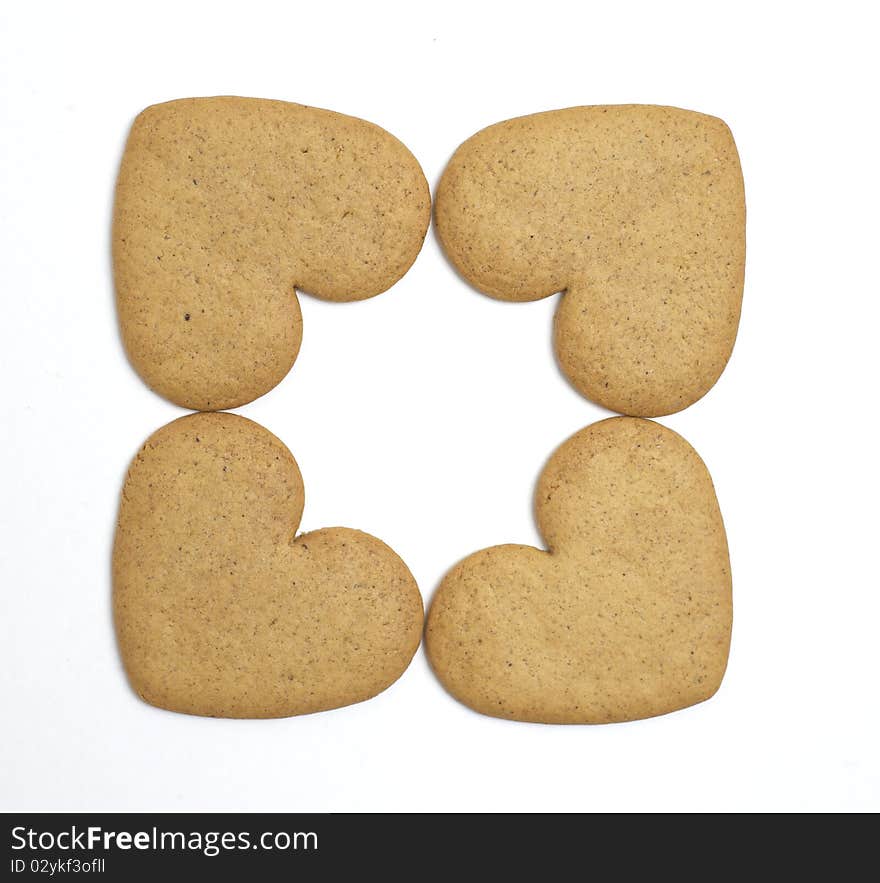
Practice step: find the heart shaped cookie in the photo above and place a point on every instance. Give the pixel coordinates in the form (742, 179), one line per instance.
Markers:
(629, 613)
(220, 610)
(637, 213)
(225, 206)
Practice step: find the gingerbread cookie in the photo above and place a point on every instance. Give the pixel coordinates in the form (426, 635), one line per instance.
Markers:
(220, 610)
(629, 613)
(637, 214)
(225, 206)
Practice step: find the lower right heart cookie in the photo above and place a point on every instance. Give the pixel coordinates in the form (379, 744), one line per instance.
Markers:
(629, 613)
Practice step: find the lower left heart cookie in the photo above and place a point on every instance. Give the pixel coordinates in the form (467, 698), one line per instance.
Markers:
(221, 611)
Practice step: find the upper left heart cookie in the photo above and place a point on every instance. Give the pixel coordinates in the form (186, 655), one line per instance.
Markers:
(224, 206)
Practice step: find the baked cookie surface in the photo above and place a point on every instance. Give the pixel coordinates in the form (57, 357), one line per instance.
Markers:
(220, 611)
(224, 206)
(637, 214)
(627, 616)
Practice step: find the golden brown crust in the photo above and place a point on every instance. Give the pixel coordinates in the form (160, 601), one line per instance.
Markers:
(220, 611)
(637, 213)
(629, 614)
(223, 207)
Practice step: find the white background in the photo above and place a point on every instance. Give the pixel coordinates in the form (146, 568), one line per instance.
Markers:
(423, 416)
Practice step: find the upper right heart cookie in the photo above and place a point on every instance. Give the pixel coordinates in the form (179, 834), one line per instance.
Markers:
(636, 213)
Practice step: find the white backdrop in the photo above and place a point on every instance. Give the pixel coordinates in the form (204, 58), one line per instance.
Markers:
(425, 415)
